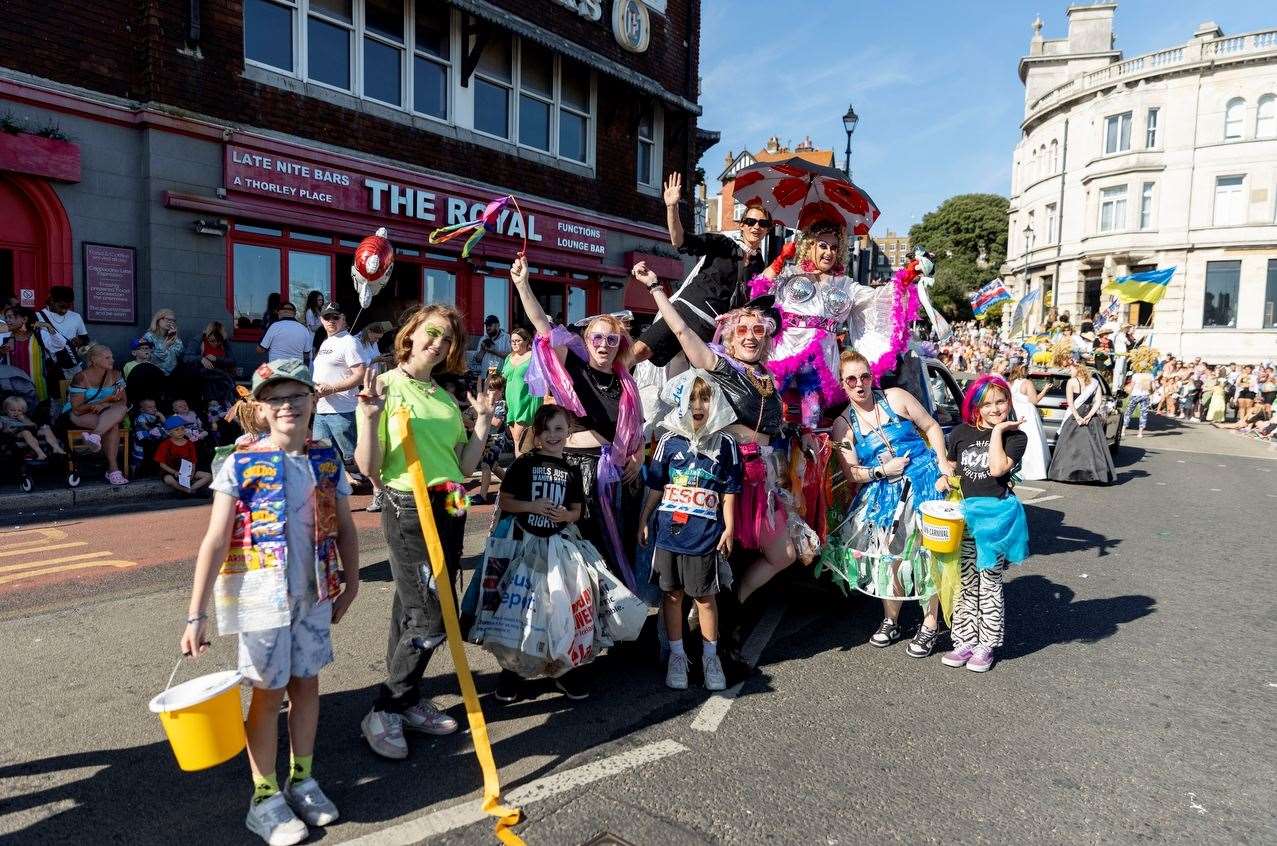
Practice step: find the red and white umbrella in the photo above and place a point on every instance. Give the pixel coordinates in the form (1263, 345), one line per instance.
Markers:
(798, 193)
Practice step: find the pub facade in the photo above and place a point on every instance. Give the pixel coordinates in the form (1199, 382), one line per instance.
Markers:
(203, 157)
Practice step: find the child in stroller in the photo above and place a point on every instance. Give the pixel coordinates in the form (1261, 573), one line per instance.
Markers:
(20, 436)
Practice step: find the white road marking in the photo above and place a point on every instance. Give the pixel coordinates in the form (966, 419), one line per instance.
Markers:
(471, 812)
(1215, 490)
(1043, 499)
(1161, 483)
(1027, 488)
(1160, 448)
(714, 711)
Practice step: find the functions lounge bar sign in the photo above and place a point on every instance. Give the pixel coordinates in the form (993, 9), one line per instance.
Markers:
(325, 182)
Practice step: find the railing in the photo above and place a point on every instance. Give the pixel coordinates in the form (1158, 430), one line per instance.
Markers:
(1220, 48)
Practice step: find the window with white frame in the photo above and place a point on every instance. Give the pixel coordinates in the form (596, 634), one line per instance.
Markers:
(1150, 128)
(1230, 208)
(1266, 117)
(1055, 156)
(536, 95)
(432, 62)
(1146, 206)
(383, 48)
(649, 134)
(1113, 208)
(574, 110)
(1030, 234)
(493, 84)
(1052, 222)
(268, 33)
(330, 28)
(1117, 133)
(1234, 113)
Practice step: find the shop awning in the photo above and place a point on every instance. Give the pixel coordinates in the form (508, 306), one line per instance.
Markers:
(527, 29)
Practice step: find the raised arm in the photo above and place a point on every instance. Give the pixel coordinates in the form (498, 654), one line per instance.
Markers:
(698, 353)
(673, 192)
(531, 305)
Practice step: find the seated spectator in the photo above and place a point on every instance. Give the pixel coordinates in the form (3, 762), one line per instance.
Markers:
(148, 432)
(17, 425)
(166, 346)
(140, 350)
(170, 454)
(63, 321)
(286, 338)
(97, 403)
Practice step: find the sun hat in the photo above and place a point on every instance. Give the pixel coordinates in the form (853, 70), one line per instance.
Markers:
(281, 370)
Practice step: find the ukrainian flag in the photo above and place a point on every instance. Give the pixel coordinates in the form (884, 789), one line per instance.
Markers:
(1147, 287)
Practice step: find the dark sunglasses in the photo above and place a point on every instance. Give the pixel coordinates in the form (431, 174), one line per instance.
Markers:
(753, 221)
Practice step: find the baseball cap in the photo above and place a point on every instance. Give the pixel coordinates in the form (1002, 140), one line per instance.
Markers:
(140, 342)
(173, 422)
(490, 319)
(331, 309)
(281, 370)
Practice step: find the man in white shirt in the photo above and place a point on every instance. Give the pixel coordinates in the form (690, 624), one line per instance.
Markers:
(286, 338)
(493, 347)
(61, 327)
(338, 373)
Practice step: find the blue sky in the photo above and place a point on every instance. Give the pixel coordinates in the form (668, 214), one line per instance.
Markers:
(934, 82)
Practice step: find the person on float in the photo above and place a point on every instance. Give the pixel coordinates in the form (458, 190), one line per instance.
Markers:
(1024, 401)
(521, 403)
(592, 380)
(889, 445)
(987, 447)
(1081, 451)
(766, 521)
(716, 285)
(430, 343)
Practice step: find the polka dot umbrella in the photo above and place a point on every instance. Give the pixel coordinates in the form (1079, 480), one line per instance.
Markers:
(798, 193)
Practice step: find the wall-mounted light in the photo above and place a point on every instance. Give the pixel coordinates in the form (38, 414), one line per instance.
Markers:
(216, 228)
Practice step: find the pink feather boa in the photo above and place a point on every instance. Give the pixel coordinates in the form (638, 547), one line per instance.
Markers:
(783, 370)
(904, 310)
(760, 285)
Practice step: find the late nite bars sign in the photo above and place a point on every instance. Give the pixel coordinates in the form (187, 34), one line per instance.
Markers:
(295, 179)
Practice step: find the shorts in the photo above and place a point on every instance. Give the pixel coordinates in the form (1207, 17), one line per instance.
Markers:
(339, 428)
(662, 341)
(495, 447)
(270, 658)
(1246, 394)
(695, 575)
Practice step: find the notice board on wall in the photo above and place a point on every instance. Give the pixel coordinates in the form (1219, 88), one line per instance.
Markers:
(110, 284)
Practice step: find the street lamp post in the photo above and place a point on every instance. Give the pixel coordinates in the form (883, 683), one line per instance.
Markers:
(1028, 245)
(849, 122)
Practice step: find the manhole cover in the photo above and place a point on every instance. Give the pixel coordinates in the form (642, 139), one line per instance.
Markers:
(607, 838)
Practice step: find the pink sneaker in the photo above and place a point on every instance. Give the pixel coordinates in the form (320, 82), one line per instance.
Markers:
(981, 660)
(94, 441)
(115, 477)
(958, 657)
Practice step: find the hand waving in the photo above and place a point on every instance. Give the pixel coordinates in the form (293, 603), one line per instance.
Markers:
(372, 394)
(643, 275)
(673, 189)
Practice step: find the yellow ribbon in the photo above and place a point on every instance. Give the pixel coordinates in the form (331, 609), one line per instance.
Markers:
(492, 805)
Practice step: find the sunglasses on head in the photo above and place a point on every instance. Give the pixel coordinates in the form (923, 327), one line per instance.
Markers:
(610, 339)
(758, 330)
(753, 221)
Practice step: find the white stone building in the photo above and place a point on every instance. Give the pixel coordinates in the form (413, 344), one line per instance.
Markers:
(1168, 158)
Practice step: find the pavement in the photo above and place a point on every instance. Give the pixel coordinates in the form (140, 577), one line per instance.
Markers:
(1131, 703)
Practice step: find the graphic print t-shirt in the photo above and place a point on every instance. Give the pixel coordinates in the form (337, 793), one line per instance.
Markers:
(692, 485)
(969, 447)
(534, 476)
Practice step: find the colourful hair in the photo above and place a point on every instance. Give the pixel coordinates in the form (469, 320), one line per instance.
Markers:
(976, 392)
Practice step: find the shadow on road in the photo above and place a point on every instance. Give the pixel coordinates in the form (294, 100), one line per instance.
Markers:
(1057, 618)
(1051, 536)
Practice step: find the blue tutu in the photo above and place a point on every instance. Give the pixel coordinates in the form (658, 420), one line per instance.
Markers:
(999, 528)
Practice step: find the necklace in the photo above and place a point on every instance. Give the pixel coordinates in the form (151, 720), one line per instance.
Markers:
(763, 383)
(429, 385)
(607, 385)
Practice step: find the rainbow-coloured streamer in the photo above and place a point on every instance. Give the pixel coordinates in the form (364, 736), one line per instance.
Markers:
(486, 222)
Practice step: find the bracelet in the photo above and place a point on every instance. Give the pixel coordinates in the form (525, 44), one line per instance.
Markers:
(196, 619)
(654, 285)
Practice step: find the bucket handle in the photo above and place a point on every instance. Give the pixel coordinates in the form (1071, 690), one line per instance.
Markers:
(176, 666)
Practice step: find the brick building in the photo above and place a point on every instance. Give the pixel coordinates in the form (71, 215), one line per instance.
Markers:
(203, 156)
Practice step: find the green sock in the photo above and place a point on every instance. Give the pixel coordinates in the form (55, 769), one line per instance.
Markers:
(264, 787)
(301, 767)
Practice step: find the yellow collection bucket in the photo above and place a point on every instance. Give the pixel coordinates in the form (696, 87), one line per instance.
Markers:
(942, 526)
(203, 720)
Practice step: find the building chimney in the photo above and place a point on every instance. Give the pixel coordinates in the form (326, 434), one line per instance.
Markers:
(1091, 28)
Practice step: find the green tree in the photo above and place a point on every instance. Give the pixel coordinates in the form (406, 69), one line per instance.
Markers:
(968, 236)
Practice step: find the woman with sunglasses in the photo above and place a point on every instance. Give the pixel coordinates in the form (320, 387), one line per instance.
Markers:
(889, 445)
(766, 521)
(814, 300)
(431, 342)
(592, 380)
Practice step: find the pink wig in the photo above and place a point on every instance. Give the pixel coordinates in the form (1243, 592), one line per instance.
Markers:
(977, 391)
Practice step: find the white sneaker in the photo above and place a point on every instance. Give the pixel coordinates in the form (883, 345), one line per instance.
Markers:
(309, 802)
(714, 677)
(384, 733)
(676, 672)
(426, 717)
(273, 821)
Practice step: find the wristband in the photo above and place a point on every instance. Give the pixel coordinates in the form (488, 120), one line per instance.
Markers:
(654, 285)
(197, 618)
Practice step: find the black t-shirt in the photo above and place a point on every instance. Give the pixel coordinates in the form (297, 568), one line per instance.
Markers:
(754, 410)
(535, 476)
(969, 447)
(721, 284)
(599, 393)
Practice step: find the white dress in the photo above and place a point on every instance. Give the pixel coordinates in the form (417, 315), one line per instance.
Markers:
(1036, 456)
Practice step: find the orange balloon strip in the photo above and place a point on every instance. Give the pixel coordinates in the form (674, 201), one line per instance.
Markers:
(492, 804)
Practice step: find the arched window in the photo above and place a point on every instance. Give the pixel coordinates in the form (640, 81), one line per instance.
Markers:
(1055, 156)
(1033, 168)
(1266, 117)
(1233, 114)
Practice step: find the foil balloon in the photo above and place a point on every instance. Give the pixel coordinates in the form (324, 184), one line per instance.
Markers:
(374, 259)
(484, 223)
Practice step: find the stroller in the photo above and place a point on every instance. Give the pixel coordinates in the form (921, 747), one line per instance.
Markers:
(16, 455)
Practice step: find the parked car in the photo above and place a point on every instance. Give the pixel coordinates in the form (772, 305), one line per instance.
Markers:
(1052, 404)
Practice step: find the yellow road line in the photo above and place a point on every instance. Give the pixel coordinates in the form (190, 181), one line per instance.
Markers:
(35, 565)
(41, 549)
(82, 565)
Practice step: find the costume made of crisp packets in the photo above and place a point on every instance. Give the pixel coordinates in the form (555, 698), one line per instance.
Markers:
(878, 548)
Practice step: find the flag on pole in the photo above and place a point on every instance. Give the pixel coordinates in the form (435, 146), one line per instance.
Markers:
(992, 293)
(1148, 286)
(1022, 310)
(1111, 312)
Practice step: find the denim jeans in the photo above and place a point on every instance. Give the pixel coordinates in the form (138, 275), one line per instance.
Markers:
(338, 428)
(416, 618)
